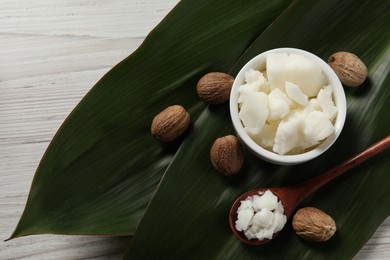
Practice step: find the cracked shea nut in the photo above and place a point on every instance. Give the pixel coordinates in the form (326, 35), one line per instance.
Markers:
(351, 71)
(313, 224)
(226, 155)
(214, 87)
(170, 123)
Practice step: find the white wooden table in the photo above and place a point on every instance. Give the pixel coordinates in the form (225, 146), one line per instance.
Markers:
(51, 54)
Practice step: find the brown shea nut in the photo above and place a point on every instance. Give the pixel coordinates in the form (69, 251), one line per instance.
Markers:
(170, 123)
(214, 87)
(226, 155)
(351, 71)
(313, 224)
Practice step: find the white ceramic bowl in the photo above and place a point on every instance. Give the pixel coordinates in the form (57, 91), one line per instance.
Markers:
(258, 63)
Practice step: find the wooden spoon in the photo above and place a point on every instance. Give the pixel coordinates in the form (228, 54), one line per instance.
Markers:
(291, 196)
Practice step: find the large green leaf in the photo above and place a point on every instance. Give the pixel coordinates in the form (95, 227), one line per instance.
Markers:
(188, 215)
(102, 167)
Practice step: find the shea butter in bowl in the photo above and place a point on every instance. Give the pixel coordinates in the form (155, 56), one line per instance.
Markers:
(287, 106)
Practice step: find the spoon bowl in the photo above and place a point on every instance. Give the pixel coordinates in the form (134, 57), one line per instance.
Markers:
(233, 213)
(291, 196)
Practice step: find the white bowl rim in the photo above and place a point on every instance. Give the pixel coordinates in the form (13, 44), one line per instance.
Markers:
(339, 99)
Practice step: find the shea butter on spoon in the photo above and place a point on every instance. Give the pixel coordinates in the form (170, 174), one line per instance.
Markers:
(288, 107)
(260, 216)
(276, 204)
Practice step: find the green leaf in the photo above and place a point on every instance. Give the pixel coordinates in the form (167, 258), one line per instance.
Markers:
(102, 167)
(188, 215)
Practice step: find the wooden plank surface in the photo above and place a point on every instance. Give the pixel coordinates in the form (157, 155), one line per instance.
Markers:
(51, 54)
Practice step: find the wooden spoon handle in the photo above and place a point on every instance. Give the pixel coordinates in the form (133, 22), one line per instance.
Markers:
(317, 182)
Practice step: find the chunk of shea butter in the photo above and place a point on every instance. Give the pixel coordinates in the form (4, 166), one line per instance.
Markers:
(313, 106)
(267, 135)
(254, 112)
(245, 216)
(317, 126)
(325, 101)
(263, 218)
(260, 216)
(294, 68)
(289, 132)
(279, 105)
(247, 90)
(266, 201)
(295, 94)
(254, 82)
(257, 78)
